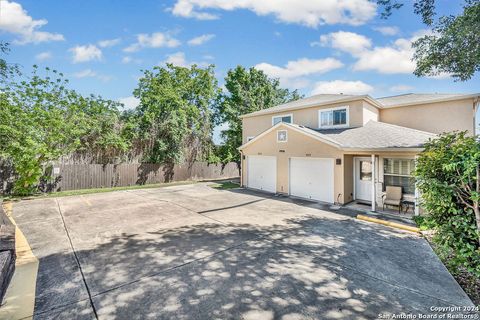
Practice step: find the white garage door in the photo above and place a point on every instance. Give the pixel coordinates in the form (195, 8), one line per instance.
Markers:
(312, 178)
(262, 173)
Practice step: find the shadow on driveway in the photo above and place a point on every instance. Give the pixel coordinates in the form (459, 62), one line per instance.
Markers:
(276, 272)
(251, 257)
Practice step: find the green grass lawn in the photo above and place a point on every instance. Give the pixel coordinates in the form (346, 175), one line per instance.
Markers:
(98, 190)
(225, 185)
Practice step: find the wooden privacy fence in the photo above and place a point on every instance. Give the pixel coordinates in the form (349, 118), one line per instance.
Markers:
(86, 176)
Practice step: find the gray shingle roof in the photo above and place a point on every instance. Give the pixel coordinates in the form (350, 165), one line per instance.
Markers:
(419, 98)
(385, 102)
(319, 99)
(373, 135)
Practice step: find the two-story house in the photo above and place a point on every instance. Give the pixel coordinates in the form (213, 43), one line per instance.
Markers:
(342, 148)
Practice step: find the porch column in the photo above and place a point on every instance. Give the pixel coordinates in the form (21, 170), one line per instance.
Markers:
(374, 196)
(417, 195)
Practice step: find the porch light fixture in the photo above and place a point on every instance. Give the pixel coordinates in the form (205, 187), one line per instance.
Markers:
(338, 161)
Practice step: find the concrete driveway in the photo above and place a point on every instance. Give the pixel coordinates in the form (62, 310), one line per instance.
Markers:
(193, 252)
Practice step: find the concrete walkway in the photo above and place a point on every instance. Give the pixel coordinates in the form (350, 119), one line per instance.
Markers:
(193, 252)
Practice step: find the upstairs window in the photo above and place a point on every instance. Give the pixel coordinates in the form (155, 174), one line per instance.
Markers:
(332, 118)
(283, 118)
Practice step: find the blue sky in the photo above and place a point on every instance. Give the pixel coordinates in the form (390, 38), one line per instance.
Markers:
(316, 46)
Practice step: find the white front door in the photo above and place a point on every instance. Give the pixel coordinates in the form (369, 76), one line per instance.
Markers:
(262, 173)
(312, 178)
(363, 179)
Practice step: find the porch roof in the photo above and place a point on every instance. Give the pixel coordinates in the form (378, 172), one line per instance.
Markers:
(373, 135)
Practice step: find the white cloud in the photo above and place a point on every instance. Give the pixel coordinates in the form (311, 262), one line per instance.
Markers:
(89, 73)
(387, 31)
(340, 86)
(310, 13)
(43, 56)
(108, 42)
(345, 41)
(396, 58)
(154, 40)
(440, 76)
(179, 59)
(129, 102)
(86, 53)
(84, 73)
(217, 132)
(292, 72)
(401, 88)
(14, 19)
(200, 39)
(391, 59)
(128, 59)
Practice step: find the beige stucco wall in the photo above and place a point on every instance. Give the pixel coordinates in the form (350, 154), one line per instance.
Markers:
(370, 113)
(298, 145)
(348, 178)
(253, 126)
(433, 117)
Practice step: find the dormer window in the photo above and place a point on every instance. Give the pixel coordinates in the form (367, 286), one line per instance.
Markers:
(333, 117)
(282, 118)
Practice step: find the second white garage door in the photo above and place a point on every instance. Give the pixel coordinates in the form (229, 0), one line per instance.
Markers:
(262, 173)
(312, 178)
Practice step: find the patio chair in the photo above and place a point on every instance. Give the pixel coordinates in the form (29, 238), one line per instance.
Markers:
(393, 197)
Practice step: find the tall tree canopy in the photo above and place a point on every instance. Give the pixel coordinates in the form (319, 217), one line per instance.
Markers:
(246, 91)
(454, 45)
(42, 120)
(7, 70)
(175, 114)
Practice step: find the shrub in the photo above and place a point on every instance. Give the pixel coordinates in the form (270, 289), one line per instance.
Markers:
(447, 178)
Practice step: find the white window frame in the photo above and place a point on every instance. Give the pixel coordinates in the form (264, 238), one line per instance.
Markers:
(397, 175)
(286, 136)
(281, 116)
(249, 138)
(346, 125)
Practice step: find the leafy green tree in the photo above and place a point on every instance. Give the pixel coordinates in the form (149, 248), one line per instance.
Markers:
(42, 120)
(7, 70)
(246, 91)
(37, 125)
(447, 174)
(454, 45)
(175, 114)
(103, 138)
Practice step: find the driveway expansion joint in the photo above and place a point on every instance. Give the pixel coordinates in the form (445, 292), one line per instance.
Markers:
(77, 260)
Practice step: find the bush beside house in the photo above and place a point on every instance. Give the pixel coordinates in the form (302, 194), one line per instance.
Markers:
(447, 174)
